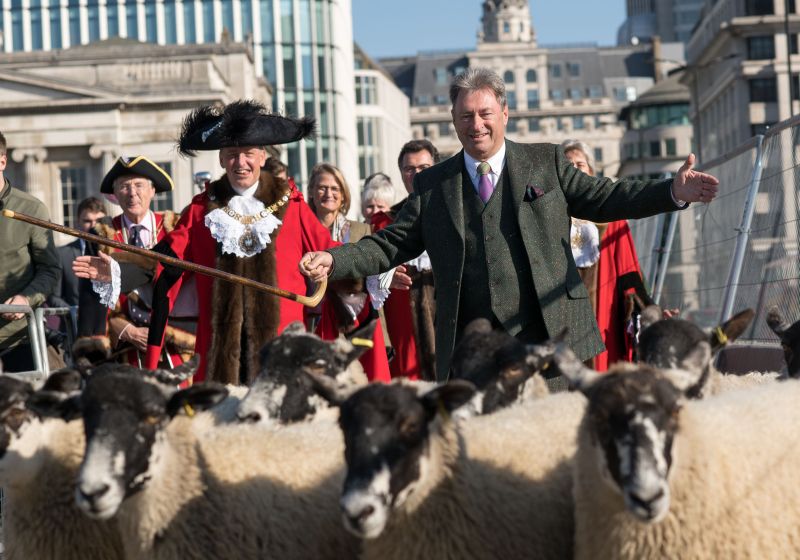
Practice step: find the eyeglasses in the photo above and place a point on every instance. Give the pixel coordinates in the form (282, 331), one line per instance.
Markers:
(134, 187)
(411, 170)
(334, 189)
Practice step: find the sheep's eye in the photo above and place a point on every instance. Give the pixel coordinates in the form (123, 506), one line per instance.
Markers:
(15, 418)
(151, 420)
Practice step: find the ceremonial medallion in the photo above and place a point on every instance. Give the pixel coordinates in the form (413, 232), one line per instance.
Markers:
(248, 241)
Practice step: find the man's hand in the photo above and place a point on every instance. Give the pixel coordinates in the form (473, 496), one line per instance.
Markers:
(15, 300)
(93, 268)
(316, 265)
(136, 336)
(400, 280)
(692, 186)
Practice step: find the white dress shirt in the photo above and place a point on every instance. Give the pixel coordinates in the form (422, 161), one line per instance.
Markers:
(496, 162)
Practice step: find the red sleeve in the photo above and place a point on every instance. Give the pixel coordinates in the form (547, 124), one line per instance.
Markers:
(167, 282)
(315, 236)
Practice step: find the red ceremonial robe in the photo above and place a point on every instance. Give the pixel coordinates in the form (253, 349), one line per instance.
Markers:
(617, 259)
(234, 320)
(399, 322)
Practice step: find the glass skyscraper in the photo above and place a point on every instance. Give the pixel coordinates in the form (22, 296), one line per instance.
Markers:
(304, 49)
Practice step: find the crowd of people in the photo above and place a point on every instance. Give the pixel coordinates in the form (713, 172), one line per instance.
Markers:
(522, 235)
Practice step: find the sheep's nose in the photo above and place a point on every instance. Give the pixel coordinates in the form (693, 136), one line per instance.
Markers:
(92, 495)
(249, 417)
(361, 515)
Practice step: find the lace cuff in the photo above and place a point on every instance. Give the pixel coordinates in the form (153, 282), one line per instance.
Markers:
(109, 291)
(378, 288)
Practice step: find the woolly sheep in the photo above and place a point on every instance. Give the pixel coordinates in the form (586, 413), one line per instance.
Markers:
(420, 485)
(283, 392)
(660, 476)
(181, 488)
(38, 465)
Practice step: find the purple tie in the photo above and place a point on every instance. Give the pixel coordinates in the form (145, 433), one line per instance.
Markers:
(485, 186)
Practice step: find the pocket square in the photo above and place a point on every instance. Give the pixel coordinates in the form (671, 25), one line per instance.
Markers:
(532, 193)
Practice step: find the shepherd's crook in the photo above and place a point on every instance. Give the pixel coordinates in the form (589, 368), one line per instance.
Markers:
(309, 301)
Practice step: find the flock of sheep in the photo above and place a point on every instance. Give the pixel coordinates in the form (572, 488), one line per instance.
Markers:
(666, 458)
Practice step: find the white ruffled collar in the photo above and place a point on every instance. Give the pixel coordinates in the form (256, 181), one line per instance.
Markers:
(584, 239)
(237, 238)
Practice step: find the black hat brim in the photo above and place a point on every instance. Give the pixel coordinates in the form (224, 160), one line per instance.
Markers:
(139, 165)
(239, 124)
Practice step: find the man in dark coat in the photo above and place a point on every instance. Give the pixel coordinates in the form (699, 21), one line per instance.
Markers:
(495, 221)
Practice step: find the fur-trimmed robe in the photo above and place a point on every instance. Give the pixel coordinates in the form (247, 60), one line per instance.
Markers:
(235, 322)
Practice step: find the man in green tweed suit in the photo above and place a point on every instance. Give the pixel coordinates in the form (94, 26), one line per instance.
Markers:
(495, 221)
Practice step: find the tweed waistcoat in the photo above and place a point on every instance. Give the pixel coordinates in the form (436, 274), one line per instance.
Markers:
(497, 280)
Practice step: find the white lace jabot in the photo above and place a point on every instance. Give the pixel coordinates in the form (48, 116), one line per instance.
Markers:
(584, 239)
(229, 231)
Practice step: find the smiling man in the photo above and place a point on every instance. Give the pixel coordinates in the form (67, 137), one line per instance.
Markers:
(495, 221)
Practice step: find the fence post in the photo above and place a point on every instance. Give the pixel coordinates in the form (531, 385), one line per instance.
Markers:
(666, 252)
(743, 236)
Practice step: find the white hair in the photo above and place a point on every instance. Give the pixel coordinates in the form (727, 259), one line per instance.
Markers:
(573, 144)
(378, 187)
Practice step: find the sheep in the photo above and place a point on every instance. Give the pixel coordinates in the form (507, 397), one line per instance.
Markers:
(283, 393)
(667, 342)
(503, 369)
(39, 462)
(789, 336)
(181, 488)
(657, 475)
(421, 485)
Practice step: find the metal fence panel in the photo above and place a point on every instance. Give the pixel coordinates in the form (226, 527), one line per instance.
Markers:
(771, 272)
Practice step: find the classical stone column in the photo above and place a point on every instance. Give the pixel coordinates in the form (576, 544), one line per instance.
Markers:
(32, 160)
(108, 155)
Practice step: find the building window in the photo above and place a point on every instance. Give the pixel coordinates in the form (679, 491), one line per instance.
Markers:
(367, 145)
(170, 24)
(444, 128)
(163, 201)
(227, 16)
(795, 87)
(759, 7)
(55, 29)
(533, 124)
(506, 27)
(574, 69)
(73, 189)
(74, 27)
(36, 29)
(131, 20)
(555, 70)
(595, 92)
(287, 20)
(560, 124)
(189, 31)
(289, 73)
(151, 27)
(763, 90)
(530, 76)
(441, 76)
(440, 99)
(793, 43)
(575, 94)
(533, 99)
(508, 77)
(760, 48)
(655, 149)
(307, 67)
(598, 154)
(511, 126)
(423, 100)
(556, 95)
(208, 22)
(366, 90)
(511, 99)
(577, 122)
(670, 147)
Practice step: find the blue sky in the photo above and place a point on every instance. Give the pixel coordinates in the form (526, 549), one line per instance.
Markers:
(401, 27)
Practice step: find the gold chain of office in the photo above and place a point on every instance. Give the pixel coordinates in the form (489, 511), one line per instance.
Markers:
(250, 219)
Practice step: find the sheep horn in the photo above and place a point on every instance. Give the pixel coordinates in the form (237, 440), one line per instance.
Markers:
(179, 374)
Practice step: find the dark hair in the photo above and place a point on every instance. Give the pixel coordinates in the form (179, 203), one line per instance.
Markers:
(274, 166)
(415, 146)
(3, 144)
(91, 204)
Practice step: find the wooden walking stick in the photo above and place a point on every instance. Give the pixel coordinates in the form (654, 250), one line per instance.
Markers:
(309, 301)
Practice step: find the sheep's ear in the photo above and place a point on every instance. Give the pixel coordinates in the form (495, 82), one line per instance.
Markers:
(579, 376)
(539, 357)
(649, 315)
(178, 374)
(693, 369)
(196, 398)
(65, 381)
(294, 328)
(448, 397)
(328, 388)
(55, 404)
(731, 329)
(776, 322)
(356, 343)
(478, 326)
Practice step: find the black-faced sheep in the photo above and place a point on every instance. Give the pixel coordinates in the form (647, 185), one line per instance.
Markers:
(419, 485)
(283, 391)
(39, 462)
(658, 475)
(789, 336)
(181, 488)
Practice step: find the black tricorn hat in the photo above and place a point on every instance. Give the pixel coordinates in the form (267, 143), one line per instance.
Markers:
(138, 165)
(241, 123)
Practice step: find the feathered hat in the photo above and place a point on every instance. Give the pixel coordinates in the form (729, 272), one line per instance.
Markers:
(138, 165)
(241, 123)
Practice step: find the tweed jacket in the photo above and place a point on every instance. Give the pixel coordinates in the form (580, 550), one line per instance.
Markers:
(547, 190)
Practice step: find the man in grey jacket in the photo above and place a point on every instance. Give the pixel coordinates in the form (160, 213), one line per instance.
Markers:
(30, 269)
(495, 221)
